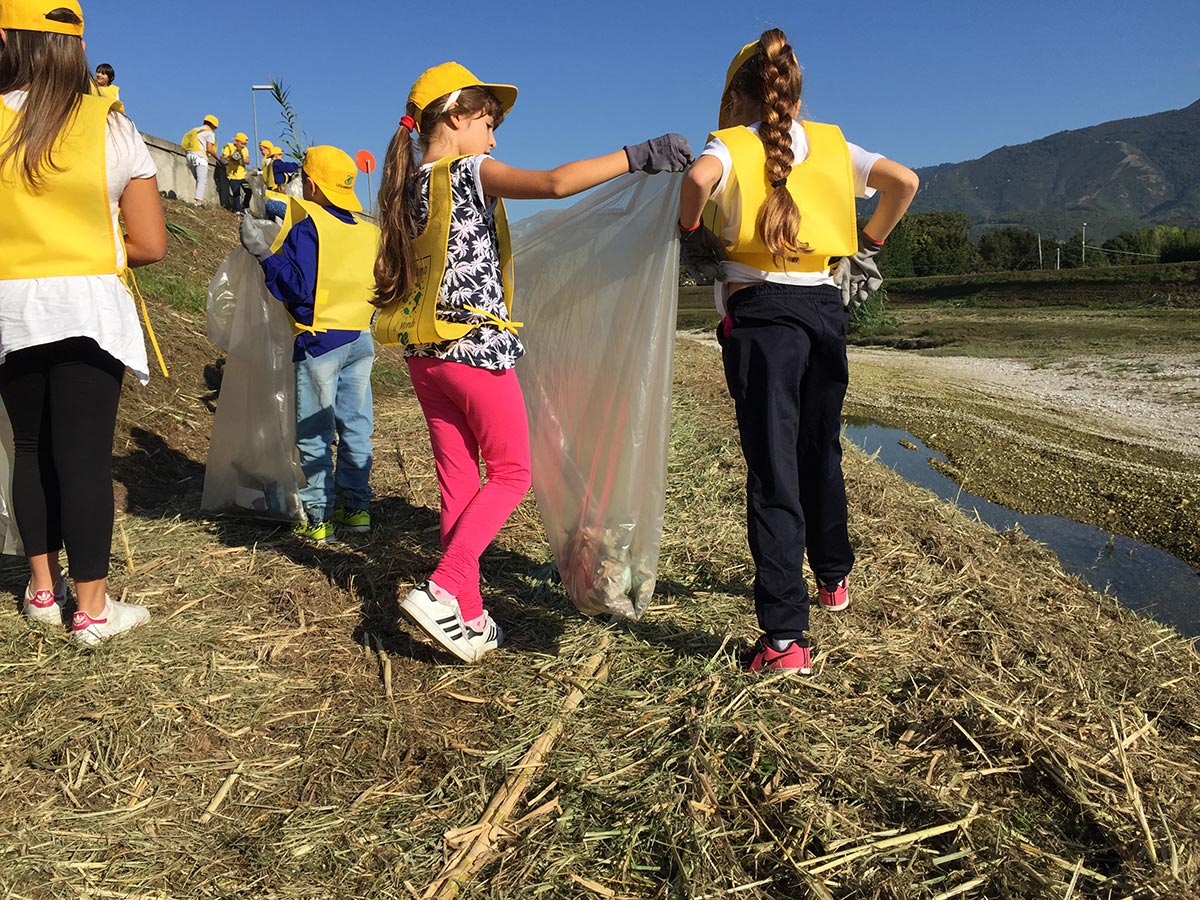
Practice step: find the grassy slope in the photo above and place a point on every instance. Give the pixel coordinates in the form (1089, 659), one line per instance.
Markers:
(970, 682)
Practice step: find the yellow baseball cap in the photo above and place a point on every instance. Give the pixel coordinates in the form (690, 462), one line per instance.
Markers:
(449, 77)
(30, 15)
(334, 173)
(752, 49)
(213, 121)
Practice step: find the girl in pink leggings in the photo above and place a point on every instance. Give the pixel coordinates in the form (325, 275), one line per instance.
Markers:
(444, 286)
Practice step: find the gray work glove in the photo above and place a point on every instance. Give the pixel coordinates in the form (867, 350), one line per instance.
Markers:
(253, 238)
(668, 153)
(701, 252)
(858, 276)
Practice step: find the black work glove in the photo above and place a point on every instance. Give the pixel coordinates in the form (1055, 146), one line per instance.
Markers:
(858, 276)
(701, 252)
(667, 153)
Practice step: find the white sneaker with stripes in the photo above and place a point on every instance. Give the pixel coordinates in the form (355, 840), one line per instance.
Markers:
(484, 635)
(440, 620)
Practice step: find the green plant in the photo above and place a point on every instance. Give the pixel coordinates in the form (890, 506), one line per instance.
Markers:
(871, 318)
(295, 141)
(183, 233)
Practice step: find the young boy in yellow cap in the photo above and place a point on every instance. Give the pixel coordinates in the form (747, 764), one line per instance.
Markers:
(236, 156)
(322, 268)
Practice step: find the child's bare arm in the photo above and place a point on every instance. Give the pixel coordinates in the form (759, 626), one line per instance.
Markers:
(499, 180)
(897, 185)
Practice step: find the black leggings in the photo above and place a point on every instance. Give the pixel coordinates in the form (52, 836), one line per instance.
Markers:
(62, 401)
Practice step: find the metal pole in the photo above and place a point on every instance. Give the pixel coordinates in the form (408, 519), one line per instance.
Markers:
(254, 107)
(1083, 246)
(1040, 266)
(254, 88)
(370, 194)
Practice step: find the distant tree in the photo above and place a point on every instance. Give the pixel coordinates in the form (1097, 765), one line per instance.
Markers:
(941, 244)
(896, 257)
(1009, 249)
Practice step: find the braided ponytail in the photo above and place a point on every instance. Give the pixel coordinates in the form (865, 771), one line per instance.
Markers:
(779, 87)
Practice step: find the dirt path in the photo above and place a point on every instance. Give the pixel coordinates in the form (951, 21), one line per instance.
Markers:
(1152, 399)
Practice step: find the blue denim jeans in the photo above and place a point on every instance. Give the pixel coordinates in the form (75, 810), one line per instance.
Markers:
(333, 400)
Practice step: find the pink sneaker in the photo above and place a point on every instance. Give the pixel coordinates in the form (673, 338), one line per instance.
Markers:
(46, 607)
(762, 656)
(836, 596)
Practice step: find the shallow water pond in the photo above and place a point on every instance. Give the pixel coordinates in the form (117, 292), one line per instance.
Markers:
(1139, 576)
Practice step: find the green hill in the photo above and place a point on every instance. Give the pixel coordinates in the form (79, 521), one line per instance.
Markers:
(1116, 176)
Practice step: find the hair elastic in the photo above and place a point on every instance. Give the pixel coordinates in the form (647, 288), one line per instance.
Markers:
(408, 122)
(779, 182)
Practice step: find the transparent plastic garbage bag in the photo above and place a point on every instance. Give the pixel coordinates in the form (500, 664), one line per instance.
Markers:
(253, 467)
(10, 538)
(598, 286)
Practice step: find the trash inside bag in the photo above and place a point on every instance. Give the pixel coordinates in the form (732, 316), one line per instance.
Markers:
(253, 467)
(598, 286)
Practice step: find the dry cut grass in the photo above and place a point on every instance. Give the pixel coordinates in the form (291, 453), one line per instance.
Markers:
(978, 724)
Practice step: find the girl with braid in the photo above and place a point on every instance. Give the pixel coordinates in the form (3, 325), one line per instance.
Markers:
(780, 203)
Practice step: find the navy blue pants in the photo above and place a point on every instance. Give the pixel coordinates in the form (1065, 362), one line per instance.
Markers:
(786, 368)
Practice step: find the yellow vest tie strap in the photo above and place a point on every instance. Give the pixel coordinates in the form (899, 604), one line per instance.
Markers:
(490, 319)
(131, 283)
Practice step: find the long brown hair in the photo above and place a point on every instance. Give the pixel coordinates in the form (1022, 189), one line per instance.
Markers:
(772, 79)
(55, 70)
(395, 266)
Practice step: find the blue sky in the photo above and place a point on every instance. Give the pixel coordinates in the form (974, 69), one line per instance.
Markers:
(921, 83)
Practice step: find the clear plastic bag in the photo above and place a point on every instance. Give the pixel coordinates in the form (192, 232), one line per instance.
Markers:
(253, 467)
(598, 286)
(10, 538)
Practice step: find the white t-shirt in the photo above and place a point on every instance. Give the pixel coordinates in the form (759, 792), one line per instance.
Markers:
(35, 311)
(861, 162)
(205, 136)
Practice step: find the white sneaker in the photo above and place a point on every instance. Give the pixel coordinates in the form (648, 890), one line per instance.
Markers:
(441, 620)
(45, 607)
(489, 636)
(116, 618)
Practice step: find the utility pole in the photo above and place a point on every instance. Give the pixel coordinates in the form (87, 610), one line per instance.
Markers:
(1083, 246)
(1040, 266)
(1058, 259)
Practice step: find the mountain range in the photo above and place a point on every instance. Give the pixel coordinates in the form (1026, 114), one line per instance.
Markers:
(1117, 176)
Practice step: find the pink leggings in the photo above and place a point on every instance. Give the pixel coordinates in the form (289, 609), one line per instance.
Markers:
(472, 412)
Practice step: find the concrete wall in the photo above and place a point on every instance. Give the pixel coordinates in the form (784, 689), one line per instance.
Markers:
(174, 174)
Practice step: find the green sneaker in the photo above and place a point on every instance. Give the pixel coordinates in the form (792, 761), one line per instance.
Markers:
(352, 519)
(316, 531)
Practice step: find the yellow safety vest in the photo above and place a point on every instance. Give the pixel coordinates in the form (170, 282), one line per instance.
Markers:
(191, 141)
(65, 227)
(822, 186)
(268, 179)
(112, 92)
(414, 320)
(345, 268)
(236, 171)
